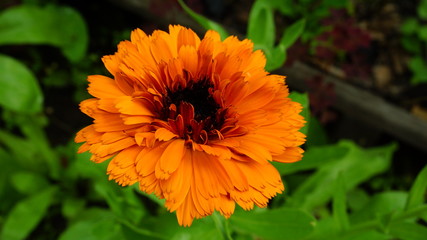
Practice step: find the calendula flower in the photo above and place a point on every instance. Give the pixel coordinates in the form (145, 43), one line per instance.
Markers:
(194, 121)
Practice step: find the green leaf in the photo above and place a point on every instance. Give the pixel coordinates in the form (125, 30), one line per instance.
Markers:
(418, 190)
(8, 196)
(366, 228)
(292, 33)
(357, 199)
(302, 98)
(38, 155)
(274, 224)
(325, 228)
(58, 26)
(286, 7)
(422, 9)
(385, 203)
(316, 134)
(122, 201)
(35, 133)
(19, 89)
(411, 44)
(276, 56)
(26, 214)
(94, 224)
(358, 165)
(366, 235)
(71, 207)
(221, 225)
(152, 196)
(422, 33)
(419, 69)
(339, 205)
(131, 232)
(27, 159)
(203, 21)
(165, 226)
(28, 183)
(82, 167)
(408, 231)
(261, 29)
(409, 26)
(314, 157)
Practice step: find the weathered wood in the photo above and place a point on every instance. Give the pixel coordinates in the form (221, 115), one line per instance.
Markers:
(352, 101)
(364, 106)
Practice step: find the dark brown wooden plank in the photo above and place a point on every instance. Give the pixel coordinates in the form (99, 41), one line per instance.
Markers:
(364, 106)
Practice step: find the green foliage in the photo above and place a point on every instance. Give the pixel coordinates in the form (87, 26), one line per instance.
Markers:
(418, 66)
(326, 194)
(53, 25)
(302, 98)
(422, 10)
(312, 11)
(261, 30)
(206, 228)
(339, 207)
(280, 223)
(205, 22)
(414, 40)
(19, 89)
(357, 166)
(27, 182)
(408, 230)
(26, 214)
(418, 190)
(94, 223)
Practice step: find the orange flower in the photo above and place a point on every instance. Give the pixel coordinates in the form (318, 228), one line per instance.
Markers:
(196, 122)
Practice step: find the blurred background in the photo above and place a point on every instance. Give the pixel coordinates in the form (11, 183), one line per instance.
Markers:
(359, 68)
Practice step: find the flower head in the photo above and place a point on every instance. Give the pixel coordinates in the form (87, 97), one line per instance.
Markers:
(194, 121)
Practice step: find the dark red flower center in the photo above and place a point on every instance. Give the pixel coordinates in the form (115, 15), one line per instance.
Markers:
(198, 94)
(192, 112)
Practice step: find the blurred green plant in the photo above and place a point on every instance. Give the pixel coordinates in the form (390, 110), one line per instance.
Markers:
(311, 10)
(19, 89)
(51, 192)
(261, 30)
(49, 25)
(414, 40)
(57, 26)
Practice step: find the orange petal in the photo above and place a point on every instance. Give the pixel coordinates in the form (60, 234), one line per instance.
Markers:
(89, 107)
(122, 167)
(148, 158)
(108, 149)
(189, 58)
(110, 123)
(170, 159)
(103, 87)
(163, 134)
(132, 106)
(290, 155)
(145, 139)
(186, 212)
(178, 185)
(186, 37)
